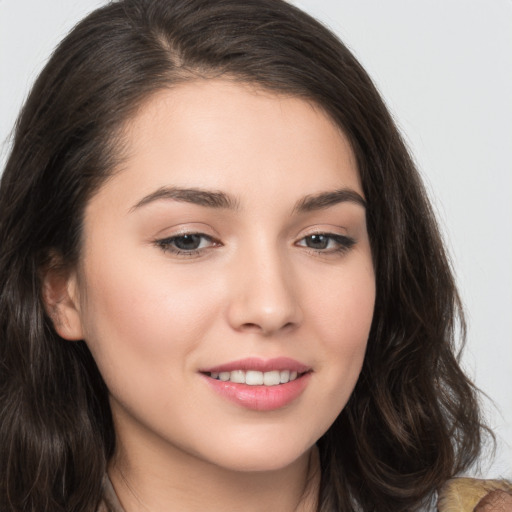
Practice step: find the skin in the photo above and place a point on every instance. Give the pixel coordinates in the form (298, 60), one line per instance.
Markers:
(153, 318)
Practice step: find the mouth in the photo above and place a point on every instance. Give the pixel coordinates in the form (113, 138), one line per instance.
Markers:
(260, 385)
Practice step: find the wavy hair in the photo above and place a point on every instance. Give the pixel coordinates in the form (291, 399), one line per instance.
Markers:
(412, 421)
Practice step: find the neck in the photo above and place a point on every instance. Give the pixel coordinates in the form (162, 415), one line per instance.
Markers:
(154, 486)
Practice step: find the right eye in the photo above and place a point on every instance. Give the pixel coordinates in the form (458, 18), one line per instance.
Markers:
(187, 244)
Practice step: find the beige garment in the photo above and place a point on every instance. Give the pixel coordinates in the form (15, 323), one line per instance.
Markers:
(473, 495)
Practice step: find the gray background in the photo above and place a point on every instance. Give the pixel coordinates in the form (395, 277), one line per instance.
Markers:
(444, 68)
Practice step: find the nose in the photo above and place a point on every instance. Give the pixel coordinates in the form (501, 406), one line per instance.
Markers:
(264, 296)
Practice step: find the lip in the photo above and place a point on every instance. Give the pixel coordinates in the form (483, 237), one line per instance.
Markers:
(260, 365)
(260, 398)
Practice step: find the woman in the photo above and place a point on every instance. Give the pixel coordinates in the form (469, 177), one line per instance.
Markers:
(222, 283)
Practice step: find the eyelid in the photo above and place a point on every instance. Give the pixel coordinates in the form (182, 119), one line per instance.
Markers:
(186, 228)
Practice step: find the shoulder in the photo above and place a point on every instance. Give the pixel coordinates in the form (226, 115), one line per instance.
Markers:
(474, 495)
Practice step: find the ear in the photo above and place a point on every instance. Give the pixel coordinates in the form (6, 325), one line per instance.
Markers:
(61, 299)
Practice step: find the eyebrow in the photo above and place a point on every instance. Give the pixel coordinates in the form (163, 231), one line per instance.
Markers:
(201, 197)
(326, 199)
(221, 200)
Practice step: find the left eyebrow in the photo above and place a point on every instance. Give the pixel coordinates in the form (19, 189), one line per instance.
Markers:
(326, 199)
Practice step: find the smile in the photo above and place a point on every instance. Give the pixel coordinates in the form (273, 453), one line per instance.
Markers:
(256, 378)
(259, 384)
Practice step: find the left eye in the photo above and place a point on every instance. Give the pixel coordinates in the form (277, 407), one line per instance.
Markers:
(326, 242)
(186, 243)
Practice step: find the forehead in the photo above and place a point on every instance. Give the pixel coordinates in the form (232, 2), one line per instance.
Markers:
(225, 135)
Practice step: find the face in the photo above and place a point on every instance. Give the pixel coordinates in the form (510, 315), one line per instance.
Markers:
(226, 287)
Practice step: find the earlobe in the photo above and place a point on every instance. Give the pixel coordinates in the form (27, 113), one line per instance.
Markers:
(61, 300)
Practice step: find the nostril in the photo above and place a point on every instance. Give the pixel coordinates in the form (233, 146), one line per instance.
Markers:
(266, 328)
(251, 327)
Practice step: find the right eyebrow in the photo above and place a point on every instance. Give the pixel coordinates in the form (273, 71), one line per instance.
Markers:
(329, 198)
(201, 197)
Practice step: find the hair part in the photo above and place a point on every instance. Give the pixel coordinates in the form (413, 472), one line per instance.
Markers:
(412, 421)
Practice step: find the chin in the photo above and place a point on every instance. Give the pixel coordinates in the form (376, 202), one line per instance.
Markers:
(262, 462)
(259, 455)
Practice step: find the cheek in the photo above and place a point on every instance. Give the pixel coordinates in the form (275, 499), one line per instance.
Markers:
(135, 313)
(341, 317)
(142, 326)
(342, 304)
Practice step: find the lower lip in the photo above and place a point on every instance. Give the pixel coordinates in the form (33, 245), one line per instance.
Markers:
(260, 398)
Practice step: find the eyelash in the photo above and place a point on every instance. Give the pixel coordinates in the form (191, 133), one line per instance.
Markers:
(166, 244)
(344, 243)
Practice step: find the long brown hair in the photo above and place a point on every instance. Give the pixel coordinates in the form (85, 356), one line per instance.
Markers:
(412, 421)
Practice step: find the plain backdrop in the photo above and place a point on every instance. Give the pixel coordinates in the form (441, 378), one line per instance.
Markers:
(444, 68)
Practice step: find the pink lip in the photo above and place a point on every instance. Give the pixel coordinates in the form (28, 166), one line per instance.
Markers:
(260, 398)
(260, 365)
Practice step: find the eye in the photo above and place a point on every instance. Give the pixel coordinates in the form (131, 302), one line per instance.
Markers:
(187, 244)
(327, 242)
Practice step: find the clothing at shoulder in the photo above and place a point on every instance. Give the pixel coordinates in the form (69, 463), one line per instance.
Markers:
(473, 495)
(458, 495)
(110, 501)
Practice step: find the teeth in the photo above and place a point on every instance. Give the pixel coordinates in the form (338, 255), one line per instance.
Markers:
(238, 376)
(271, 378)
(255, 378)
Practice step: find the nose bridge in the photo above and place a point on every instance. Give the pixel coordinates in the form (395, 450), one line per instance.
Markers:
(264, 292)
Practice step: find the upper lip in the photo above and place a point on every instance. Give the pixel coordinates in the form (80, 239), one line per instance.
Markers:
(262, 365)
